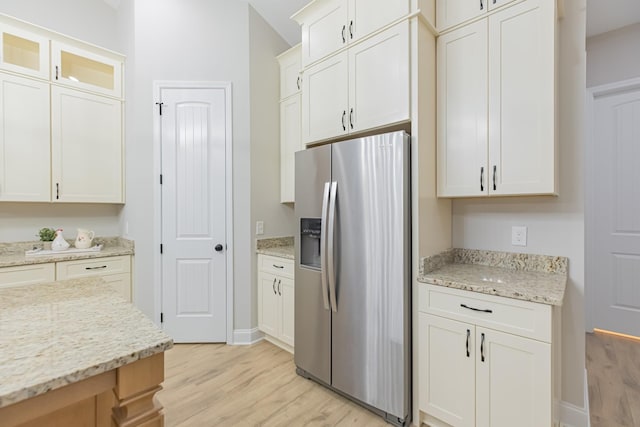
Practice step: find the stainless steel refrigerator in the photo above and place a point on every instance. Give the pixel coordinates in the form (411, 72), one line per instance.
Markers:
(353, 271)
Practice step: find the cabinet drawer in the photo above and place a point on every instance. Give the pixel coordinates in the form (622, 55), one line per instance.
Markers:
(275, 265)
(527, 319)
(27, 274)
(93, 267)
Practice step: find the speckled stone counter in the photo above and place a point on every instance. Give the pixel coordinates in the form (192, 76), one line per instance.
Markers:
(280, 246)
(536, 278)
(13, 254)
(59, 333)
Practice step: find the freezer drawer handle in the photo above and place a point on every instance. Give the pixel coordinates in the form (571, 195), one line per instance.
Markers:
(468, 335)
(330, 250)
(476, 309)
(323, 246)
(278, 266)
(95, 268)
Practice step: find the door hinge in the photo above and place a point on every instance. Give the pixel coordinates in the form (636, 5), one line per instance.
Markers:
(160, 179)
(161, 248)
(160, 104)
(161, 317)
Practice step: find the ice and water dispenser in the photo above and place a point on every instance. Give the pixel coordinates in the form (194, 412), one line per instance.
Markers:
(310, 242)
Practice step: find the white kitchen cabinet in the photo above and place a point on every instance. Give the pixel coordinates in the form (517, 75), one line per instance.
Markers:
(329, 25)
(85, 70)
(25, 159)
(276, 300)
(290, 142)
(484, 360)
(450, 13)
(116, 271)
(496, 104)
(86, 144)
(365, 87)
(24, 52)
(290, 69)
(27, 274)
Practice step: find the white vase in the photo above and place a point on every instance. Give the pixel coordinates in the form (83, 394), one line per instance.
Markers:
(59, 244)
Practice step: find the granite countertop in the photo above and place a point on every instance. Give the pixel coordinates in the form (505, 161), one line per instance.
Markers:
(536, 278)
(12, 254)
(279, 246)
(58, 333)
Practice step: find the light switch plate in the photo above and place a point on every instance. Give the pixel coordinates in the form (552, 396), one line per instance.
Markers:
(519, 236)
(259, 228)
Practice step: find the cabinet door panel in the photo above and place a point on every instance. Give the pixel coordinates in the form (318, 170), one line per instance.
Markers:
(462, 111)
(268, 305)
(24, 52)
(494, 4)
(367, 16)
(324, 99)
(522, 99)
(290, 136)
(447, 370)
(324, 30)
(86, 147)
(287, 305)
(513, 383)
(379, 82)
(290, 72)
(454, 12)
(25, 161)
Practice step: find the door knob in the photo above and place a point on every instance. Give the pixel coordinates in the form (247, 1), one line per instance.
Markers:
(219, 247)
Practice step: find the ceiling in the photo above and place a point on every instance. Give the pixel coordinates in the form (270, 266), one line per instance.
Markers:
(602, 15)
(277, 14)
(608, 15)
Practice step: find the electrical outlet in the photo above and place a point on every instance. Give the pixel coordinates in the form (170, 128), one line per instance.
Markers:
(519, 236)
(259, 227)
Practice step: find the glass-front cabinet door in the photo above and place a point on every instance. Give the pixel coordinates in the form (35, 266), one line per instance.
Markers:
(24, 52)
(85, 70)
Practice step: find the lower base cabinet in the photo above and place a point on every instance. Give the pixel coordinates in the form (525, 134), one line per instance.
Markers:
(116, 272)
(473, 375)
(276, 300)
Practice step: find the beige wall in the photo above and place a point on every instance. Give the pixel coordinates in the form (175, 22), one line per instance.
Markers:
(613, 56)
(555, 224)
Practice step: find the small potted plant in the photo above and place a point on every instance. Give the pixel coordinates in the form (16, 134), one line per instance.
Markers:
(47, 234)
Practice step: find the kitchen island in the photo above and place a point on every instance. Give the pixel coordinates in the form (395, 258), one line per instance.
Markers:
(75, 353)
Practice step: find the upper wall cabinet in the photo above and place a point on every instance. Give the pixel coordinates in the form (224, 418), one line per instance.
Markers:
(450, 13)
(85, 70)
(290, 76)
(496, 104)
(329, 25)
(24, 52)
(364, 87)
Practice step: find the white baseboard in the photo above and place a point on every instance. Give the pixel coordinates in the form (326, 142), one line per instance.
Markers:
(246, 336)
(573, 416)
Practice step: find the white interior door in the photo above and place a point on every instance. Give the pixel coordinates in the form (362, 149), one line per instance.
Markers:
(193, 135)
(614, 212)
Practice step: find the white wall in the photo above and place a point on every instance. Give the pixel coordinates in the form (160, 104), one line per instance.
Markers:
(613, 56)
(98, 25)
(279, 219)
(555, 224)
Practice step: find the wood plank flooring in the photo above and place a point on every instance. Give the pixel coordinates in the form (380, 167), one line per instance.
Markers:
(220, 385)
(613, 371)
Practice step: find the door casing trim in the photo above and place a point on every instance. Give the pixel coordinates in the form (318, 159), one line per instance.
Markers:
(158, 85)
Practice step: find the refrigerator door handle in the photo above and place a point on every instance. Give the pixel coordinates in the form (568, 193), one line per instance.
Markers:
(323, 246)
(330, 243)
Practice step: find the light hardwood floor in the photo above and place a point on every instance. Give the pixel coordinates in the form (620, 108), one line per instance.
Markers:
(613, 371)
(220, 385)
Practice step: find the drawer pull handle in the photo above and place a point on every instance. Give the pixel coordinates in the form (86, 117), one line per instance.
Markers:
(476, 309)
(482, 347)
(468, 335)
(278, 266)
(95, 268)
